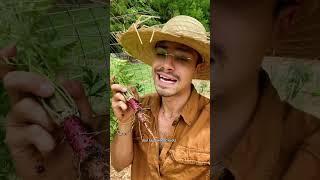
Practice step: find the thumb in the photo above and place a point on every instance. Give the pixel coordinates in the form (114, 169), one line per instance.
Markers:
(77, 92)
(6, 53)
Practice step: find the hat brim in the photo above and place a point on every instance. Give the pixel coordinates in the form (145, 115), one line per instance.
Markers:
(144, 50)
(303, 38)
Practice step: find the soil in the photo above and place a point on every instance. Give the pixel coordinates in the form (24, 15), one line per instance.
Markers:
(122, 175)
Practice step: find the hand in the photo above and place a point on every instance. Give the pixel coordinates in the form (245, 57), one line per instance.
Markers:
(121, 110)
(32, 137)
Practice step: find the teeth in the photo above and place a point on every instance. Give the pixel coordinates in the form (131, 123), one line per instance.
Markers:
(165, 78)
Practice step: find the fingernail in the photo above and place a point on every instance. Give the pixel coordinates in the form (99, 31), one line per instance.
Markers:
(124, 90)
(46, 88)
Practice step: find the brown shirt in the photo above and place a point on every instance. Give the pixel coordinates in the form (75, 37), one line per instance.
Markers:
(280, 143)
(186, 154)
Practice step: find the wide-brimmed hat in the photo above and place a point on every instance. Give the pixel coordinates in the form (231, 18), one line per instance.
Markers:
(139, 41)
(303, 39)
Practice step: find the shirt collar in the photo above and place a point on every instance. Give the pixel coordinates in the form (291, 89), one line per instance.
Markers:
(190, 110)
(188, 113)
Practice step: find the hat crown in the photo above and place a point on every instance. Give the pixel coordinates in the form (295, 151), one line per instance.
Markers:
(185, 26)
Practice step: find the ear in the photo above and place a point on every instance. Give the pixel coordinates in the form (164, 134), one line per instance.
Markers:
(200, 67)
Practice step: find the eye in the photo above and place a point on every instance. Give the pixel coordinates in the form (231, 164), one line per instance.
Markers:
(161, 55)
(182, 58)
(161, 52)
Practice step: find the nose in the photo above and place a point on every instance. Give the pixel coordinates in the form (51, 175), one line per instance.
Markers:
(169, 62)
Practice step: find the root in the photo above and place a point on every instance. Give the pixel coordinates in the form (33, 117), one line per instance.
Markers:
(144, 119)
(148, 129)
(140, 131)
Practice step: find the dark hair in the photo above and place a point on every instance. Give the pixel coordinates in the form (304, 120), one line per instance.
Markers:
(281, 4)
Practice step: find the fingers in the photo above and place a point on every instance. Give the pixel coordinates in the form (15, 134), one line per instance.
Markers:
(19, 83)
(22, 137)
(28, 124)
(118, 88)
(119, 105)
(28, 111)
(119, 97)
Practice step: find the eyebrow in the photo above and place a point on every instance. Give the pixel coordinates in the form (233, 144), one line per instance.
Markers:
(183, 48)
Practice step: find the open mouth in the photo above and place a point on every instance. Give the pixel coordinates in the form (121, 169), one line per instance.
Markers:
(167, 79)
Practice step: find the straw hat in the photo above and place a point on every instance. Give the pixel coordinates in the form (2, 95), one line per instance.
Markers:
(303, 39)
(139, 42)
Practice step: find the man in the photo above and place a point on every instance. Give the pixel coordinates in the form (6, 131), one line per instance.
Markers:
(256, 136)
(179, 117)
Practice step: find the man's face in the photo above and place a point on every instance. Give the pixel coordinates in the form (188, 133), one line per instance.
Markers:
(242, 31)
(173, 73)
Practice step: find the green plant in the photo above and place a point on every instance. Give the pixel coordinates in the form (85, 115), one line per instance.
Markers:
(95, 82)
(127, 12)
(39, 51)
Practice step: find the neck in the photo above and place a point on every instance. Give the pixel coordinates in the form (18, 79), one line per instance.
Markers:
(232, 114)
(174, 104)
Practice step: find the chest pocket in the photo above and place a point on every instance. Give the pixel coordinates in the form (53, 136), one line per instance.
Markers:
(190, 156)
(187, 162)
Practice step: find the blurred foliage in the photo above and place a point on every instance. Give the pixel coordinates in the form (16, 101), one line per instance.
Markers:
(94, 81)
(125, 12)
(39, 51)
(296, 78)
(165, 9)
(198, 9)
(202, 87)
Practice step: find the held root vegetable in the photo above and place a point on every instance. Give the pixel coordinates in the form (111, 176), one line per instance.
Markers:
(139, 111)
(88, 151)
